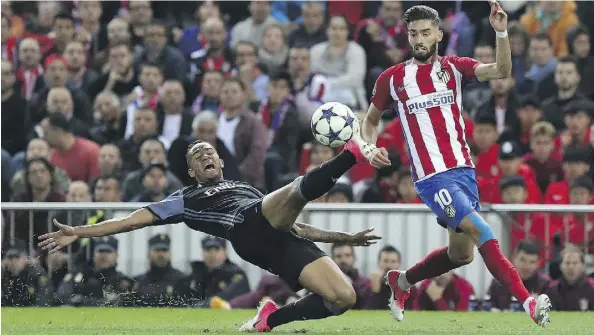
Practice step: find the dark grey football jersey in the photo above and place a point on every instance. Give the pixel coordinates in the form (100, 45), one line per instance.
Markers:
(213, 208)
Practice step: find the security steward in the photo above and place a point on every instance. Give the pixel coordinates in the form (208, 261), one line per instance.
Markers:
(99, 284)
(215, 276)
(156, 287)
(23, 283)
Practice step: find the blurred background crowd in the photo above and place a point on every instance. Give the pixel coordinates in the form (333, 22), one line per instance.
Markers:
(101, 99)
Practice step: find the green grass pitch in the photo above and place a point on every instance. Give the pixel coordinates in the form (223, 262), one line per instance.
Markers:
(104, 321)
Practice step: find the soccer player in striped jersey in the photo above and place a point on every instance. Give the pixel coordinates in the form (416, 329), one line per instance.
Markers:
(425, 92)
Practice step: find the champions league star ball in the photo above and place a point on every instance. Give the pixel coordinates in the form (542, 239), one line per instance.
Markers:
(334, 124)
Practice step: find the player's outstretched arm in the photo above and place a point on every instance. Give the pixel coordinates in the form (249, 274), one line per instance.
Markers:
(314, 234)
(502, 67)
(66, 235)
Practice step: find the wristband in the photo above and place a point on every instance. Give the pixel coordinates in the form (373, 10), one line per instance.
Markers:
(501, 34)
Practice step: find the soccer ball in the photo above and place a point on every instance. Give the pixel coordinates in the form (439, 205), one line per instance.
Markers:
(334, 124)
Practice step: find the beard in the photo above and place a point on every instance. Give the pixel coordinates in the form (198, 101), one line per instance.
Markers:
(424, 57)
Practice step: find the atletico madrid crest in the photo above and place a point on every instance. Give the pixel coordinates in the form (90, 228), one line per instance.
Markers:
(444, 76)
(450, 211)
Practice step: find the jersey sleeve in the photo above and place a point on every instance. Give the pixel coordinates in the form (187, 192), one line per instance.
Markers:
(168, 210)
(381, 97)
(466, 66)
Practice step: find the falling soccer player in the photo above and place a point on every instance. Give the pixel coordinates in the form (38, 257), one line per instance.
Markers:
(261, 229)
(426, 94)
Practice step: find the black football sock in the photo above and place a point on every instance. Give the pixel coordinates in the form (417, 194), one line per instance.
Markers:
(310, 307)
(321, 179)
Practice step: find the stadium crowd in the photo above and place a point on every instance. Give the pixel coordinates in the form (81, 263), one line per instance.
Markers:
(101, 99)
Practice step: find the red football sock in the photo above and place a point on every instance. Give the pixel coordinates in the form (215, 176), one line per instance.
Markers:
(435, 264)
(503, 271)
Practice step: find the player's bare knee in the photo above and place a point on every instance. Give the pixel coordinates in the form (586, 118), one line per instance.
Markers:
(461, 257)
(344, 296)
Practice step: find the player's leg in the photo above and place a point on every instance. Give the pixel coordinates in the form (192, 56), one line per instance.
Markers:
(331, 294)
(282, 207)
(475, 226)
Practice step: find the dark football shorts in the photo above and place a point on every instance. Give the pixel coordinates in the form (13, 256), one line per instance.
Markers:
(282, 253)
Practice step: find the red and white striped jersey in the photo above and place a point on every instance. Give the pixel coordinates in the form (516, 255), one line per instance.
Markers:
(428, 100)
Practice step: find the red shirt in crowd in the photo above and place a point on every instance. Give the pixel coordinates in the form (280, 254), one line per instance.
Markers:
(526, 172)
(487, 162)
(81, 162)
(455, 296)
(559, 145)
(550, 171)
(576, 229)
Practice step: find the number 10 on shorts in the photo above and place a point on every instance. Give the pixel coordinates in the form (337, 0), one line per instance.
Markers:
(443, 198)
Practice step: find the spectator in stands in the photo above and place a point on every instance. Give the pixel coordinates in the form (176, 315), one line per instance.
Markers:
(39, 188)
(553, 18)
(118, 31)
(446, 292)
(46, 13)
(344, 63)
(204, 128)
(576, 162)
(24, 283)
(519, 41)
(242, 132)
(269, 287)
(273, 51)
(485, 137)
(477, 94)
(29, 66)
(344, 256)
(389, 258)
(59, 100)
(192, 38)
(215, 56)
(510, 164)
(152, 151)
(544, 159)
(145, 126)
(250, 71)
(97, 284)
(13, 118)
(63, 32)
(169, 58)
(340, 194)
(9, 43)
(526, 260)
(90, 30)
(155, 287)
(121, 77)
(176, 119)
(384, 187)
(110, 124)
(110, 160)
(575, 227)
(406, 188)
(38, 148)
(204, 283)
(79, 76)
(578, 121)
(77, 156)
(502, 104)
(141, 14)
(279, 115)
(384, 39)
(578, 45)
(210, 93)
(154, 184)
(107, 189)
(574, 291)
(567, 80)
(312, 30)
(56, 75)
(543, 65)
(252, 28)
(527, 114)
(310, 88)
(147, 94)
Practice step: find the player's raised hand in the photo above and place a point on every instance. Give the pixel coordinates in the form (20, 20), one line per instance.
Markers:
(59, 239)
(362, 238)
(497, 18)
